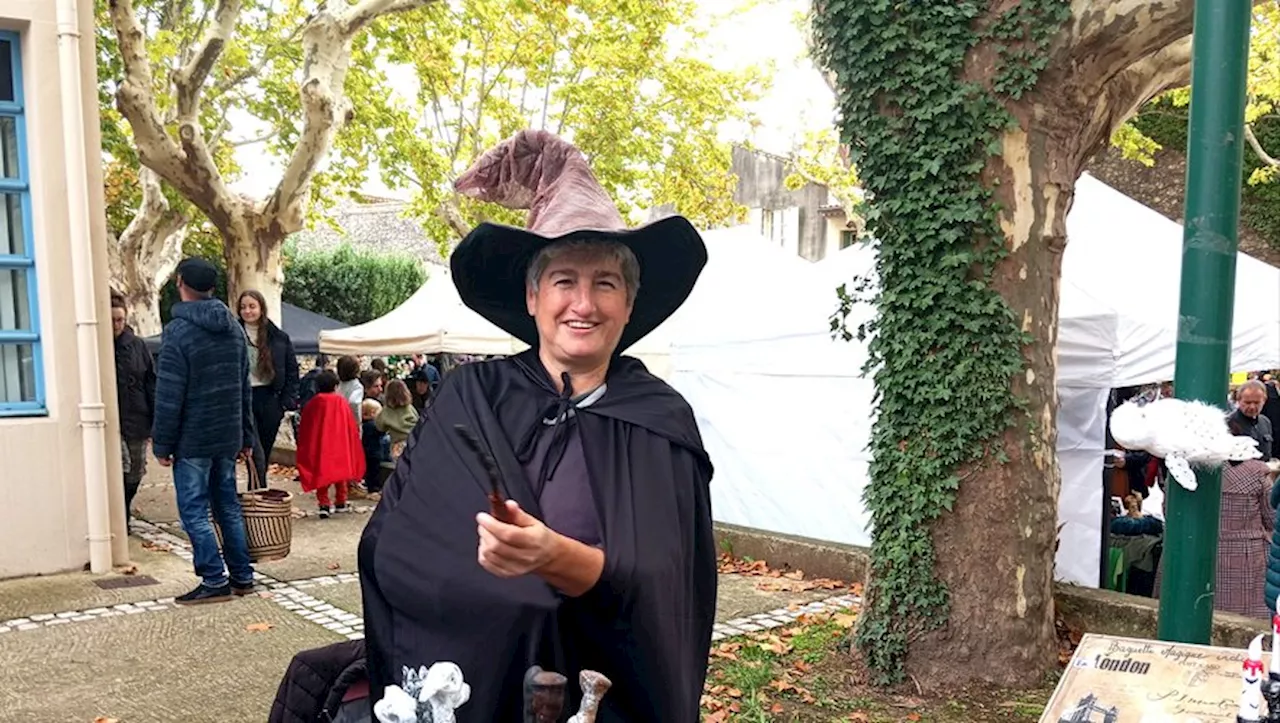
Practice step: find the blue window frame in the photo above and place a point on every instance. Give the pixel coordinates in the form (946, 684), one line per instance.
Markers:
(21, 369)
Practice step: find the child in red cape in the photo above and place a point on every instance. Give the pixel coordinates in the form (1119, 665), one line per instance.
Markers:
(329, 450)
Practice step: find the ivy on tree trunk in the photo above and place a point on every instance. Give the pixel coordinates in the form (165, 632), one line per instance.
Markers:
(969, 122)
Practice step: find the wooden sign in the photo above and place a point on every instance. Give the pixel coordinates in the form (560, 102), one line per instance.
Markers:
(1129, 680)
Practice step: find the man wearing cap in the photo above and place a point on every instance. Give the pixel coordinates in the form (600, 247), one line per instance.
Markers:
(605, 560)
(202, 424)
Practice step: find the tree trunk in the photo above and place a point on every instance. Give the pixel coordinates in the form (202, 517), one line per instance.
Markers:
(255, 261)
(994, 550)
(146, 253)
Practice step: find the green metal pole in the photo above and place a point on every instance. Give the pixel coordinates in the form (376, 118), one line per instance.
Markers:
(1219, 69)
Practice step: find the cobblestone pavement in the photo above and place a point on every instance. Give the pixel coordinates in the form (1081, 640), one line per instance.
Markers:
(73, 651)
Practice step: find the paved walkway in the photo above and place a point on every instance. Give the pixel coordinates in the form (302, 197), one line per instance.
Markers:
(73, 650)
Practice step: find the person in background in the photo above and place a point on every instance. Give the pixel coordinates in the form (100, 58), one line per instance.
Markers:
(1141, 539)
(307, 384)
(1271, 409)
(376, 446)
(379, 365)
(136, 397)
(1246, 522)
(307, 390)
(203, 421)
(398, 417)
(329, 452)
(1248, 417)
(349, 386)
(273, 375)
(1134, 522)
(431, 367)
(372, 381)
(420, 389)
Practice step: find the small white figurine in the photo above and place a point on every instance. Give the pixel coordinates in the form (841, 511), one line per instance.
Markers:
(1182, 433)
(428, 696)
(396, 706)
(444, 691)
(1250, 710)
(594, 685)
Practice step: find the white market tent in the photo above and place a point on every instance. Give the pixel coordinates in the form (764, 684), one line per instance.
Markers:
(1118, 327)
(787, 420)
(432, 321)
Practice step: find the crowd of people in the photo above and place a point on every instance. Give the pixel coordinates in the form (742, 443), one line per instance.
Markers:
(216, 394)
(354, 424)
(1248, 553)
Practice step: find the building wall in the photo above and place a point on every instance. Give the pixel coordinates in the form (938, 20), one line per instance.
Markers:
(44, 522)
(761, 187)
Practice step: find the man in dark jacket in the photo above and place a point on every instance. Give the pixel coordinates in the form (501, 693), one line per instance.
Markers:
(136, 395)
(202, 422)
(1248, 420)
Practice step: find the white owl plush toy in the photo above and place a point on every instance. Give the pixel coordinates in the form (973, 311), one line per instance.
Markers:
(1182, 433)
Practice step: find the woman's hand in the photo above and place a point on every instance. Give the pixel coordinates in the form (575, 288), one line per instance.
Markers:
(526, 545)
(515, 549)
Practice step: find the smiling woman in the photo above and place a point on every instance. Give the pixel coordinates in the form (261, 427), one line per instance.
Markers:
(580, 295)
(604, 559)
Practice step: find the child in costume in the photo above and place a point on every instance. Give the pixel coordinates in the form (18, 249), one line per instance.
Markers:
(329, 450)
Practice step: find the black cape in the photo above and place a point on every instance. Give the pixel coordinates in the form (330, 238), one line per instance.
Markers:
(647, 623)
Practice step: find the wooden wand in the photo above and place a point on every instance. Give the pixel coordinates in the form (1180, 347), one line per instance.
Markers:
(497, 502)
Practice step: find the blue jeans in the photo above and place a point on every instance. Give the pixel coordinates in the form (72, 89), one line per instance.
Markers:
(199, 483)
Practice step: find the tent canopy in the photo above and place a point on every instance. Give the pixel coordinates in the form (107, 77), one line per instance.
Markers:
(303, 327)
(432, 321)
(1124, 260)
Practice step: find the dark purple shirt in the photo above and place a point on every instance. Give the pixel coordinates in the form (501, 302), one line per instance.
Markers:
(568, 505)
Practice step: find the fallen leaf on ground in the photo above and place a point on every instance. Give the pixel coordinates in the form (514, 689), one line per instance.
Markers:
(333, 566)
(844, 620)
(104, 719)
(127, 569)
(777, 708)
(913, 716)
(859, 717)
(155, 546)
(781, 686)
(258, 627)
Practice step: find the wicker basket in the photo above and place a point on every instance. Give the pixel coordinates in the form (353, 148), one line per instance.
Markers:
(268, 524)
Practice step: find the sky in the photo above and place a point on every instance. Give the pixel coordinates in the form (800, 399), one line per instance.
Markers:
(799, 100)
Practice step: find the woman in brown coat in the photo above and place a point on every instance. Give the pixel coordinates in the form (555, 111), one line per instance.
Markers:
(1244, 534)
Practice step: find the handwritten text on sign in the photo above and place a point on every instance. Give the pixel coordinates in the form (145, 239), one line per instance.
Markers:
(1126, 680)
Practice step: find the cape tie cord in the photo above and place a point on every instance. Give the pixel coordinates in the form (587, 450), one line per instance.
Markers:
(559, 434)
(497, 501)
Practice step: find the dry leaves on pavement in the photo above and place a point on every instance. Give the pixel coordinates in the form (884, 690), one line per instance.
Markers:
(780, 580)
(258, 627)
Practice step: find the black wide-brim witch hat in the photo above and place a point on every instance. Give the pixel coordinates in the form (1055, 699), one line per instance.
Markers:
(549, 176)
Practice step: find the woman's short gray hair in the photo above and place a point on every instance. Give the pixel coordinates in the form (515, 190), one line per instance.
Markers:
(602, 248)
